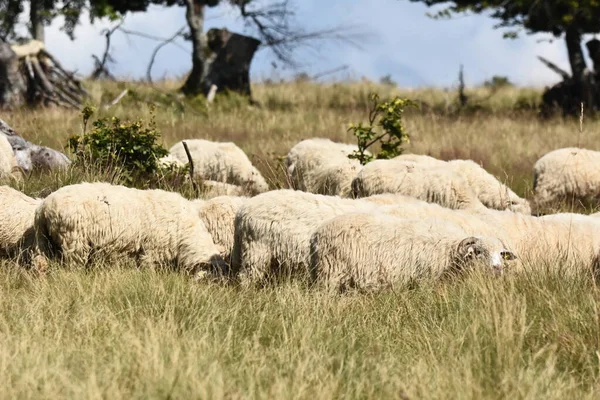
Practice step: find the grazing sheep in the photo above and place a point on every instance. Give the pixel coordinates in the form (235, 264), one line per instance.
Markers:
(564, 241)
(421, 159)
(560, 241)
(221, 162)
(273, 230)
(154, 226)
(489, 190)
(322, 166)
(218, 215)
(432, 184)
(8, 161)
(213, 189)
(170, 161)
(566, 174)
(17, 212)
(372, 251)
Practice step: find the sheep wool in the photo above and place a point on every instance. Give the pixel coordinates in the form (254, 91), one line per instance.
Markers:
(154, 226)
(322, 166)
(431, 184)
(218, 215)
(273, 230)
(212, 189)
(371, 251)
(8, 161)
(222, 162)
(489, 190)
(17, 212)
(564, 174)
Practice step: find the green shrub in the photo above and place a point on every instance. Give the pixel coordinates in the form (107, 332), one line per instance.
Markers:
(113, 143)
(388, 116)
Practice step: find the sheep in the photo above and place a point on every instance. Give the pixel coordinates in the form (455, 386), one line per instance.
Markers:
(322, 166)
(568, 173)
(212, 189)
(432, 184)
(489, 190)
(153, 226)
(334, 178)
(218, 215)
(421, 159)
(17, 212)
(8, 161)
(273, 229)
(221, 162)
(557, 241)
(169, 161)
(369, 251)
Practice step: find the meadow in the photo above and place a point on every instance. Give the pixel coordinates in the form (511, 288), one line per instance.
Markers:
(113, 331)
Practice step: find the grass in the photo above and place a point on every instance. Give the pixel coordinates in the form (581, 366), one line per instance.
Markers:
(117, 332)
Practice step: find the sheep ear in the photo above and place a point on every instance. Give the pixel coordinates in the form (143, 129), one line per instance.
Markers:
(467, 246)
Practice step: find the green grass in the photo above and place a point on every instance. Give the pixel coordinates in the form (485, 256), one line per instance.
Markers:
(113, 331)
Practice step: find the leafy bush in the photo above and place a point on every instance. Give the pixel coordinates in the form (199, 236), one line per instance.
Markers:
(497, 82)
(389, 114)
(128, 145)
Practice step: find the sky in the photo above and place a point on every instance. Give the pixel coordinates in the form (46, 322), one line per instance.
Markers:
(395, 37)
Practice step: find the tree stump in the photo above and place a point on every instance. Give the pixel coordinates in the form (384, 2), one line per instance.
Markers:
(12, 85)
(228, 67)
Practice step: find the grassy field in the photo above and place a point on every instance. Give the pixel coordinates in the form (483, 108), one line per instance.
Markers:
(117, 332)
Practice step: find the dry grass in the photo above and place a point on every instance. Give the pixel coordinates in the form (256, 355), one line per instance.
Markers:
(117, 332)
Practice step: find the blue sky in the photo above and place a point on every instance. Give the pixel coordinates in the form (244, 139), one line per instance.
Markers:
(396, 38)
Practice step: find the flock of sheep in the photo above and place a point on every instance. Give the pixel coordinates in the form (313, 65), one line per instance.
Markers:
(342, 225)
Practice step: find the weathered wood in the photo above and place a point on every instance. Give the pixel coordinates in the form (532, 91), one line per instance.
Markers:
(12, 84)
(28, 73)
(229, 68)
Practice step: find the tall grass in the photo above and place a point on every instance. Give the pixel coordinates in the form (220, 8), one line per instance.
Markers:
(113, 331)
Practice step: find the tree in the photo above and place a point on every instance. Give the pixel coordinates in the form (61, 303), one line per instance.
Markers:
(571, 18)
(219, 57)
(41, 13)
(223, 58)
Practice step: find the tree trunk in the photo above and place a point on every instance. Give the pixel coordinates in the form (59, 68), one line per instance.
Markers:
(576, 60)
(12, 86)
(36, 21)
(194, 15)
(229, 67)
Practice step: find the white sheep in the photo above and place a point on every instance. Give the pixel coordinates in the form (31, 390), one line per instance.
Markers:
(8, 161)
(222, 162)
(218, 215)
(17, 212)
(154, 226)
(370, 251)
(432, 184)
(489, 190)
(421, 159)
(213, 189)
(566, 174)
(273, 230)
(322, 166)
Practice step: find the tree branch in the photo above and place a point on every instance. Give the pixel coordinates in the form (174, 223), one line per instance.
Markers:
(157, 49)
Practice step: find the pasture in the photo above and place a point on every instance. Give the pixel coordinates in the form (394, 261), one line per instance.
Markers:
(113, 331)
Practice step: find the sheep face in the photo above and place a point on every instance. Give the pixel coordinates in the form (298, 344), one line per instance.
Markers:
(23, 156)
(483, 252)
